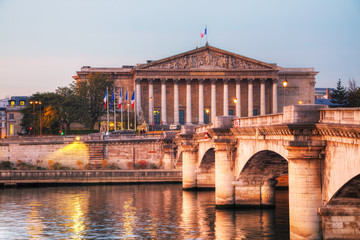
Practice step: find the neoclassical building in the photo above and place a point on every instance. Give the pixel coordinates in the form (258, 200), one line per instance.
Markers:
(195, 86)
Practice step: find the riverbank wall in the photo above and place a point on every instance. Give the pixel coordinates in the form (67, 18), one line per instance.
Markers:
(26, 177)
(93, 151)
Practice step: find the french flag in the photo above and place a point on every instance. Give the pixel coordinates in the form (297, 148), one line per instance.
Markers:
(202, 34)
(133, 99)
(105, 98)
(120, 99)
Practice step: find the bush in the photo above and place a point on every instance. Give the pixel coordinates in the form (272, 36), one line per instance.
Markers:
(6, 165)
(143, 164)
(153, 166)
(25, 166)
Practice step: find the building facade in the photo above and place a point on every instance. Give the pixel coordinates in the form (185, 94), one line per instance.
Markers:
(195, 86)
(14, 116)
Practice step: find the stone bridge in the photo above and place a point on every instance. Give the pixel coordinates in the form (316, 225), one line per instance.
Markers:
(317, 147)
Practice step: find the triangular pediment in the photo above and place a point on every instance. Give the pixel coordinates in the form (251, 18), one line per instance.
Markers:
(207, 58)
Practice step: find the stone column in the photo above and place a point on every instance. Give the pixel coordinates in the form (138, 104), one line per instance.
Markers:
(138, 96)
(267, 197)
(226, 97)
(224, 188)
(262, 96)
(250, 97)
(189, 157)
(163, 101)
(176, 101)
(201, 101)
(213, 99)
(188, 101)
(151, 101)
(274, 95)
(238, 97)
(304, 189)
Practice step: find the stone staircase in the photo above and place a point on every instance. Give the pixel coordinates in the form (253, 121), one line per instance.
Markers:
(96, 155)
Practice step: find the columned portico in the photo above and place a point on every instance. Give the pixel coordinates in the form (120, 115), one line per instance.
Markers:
(163, 101)
(250, 97)
(213, 99)
(238, 98)
(262, 96)
(188, 101)
(137, 95)
(201, 101)
(226, 97)
(151, 100)
(274, 95)
(176, 101)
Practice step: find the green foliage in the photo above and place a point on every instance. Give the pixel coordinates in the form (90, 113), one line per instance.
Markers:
(339, 95)
(6, 165)
(92, 93)
(153, 166)
(25, 166)
(59, 166)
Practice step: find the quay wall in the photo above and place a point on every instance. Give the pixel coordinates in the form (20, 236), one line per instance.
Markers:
(88, 152)
(13, 177)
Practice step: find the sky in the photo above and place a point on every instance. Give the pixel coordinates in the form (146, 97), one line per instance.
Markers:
(44, 42)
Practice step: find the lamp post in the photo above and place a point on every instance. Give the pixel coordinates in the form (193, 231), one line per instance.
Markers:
(235, 101)
(34, 104)
(285, 83)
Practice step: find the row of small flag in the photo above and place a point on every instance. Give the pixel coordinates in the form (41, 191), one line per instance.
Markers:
(120, 99)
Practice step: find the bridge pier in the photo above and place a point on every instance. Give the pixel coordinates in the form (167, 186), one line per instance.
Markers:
(304, 190)
(255, 193)
(224, 188)
(189, 167)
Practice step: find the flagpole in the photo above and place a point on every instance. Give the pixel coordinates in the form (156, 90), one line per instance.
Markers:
(127, 93)
(135, 114)
(121, 110)
(114, 110)
(107, 109)
(206, 34)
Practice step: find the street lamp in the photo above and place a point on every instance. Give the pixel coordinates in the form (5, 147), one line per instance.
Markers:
(285, 83)
(34, 103)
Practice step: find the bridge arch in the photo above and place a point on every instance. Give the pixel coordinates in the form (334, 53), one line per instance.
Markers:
(348, 194)
(206, 170)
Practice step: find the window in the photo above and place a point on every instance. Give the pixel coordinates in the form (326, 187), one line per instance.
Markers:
(12, 103)
(0, 124)
(11, 129)
(255, 112)
(22, 103)
(11, 116)
(156, 116)
(231, 112)
(182, 117)
(206, 116)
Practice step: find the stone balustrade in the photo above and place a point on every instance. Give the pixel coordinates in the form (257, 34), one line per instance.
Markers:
(88, 176)
(204, 128)
(340, 116)
(259, 121)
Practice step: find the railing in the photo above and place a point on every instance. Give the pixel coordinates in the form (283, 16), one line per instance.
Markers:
(267, 120)
(88, 176)
(204, 128)
(340, 116)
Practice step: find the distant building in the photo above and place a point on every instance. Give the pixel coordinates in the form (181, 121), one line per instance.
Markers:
(14, 115)
(195, 86)
(3, 103)
(323, 93)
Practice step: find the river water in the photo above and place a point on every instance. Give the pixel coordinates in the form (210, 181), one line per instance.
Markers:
(147, 211)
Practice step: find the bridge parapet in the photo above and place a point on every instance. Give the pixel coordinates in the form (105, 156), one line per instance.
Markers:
(340, 116)
(301, 113)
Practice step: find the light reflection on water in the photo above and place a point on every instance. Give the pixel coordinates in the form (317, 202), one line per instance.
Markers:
(157, 211)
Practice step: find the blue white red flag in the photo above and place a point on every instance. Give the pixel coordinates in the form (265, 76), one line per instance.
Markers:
(105, 98)
(126, 96)
(133, 99)
(202, 34)
(112, 99)
(120, 99)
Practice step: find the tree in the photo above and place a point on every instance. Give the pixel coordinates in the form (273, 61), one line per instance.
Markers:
(353, 94)
(339, 95)
(92, 93)
(72, 108)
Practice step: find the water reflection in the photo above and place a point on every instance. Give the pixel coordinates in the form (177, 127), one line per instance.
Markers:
(159, 211)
